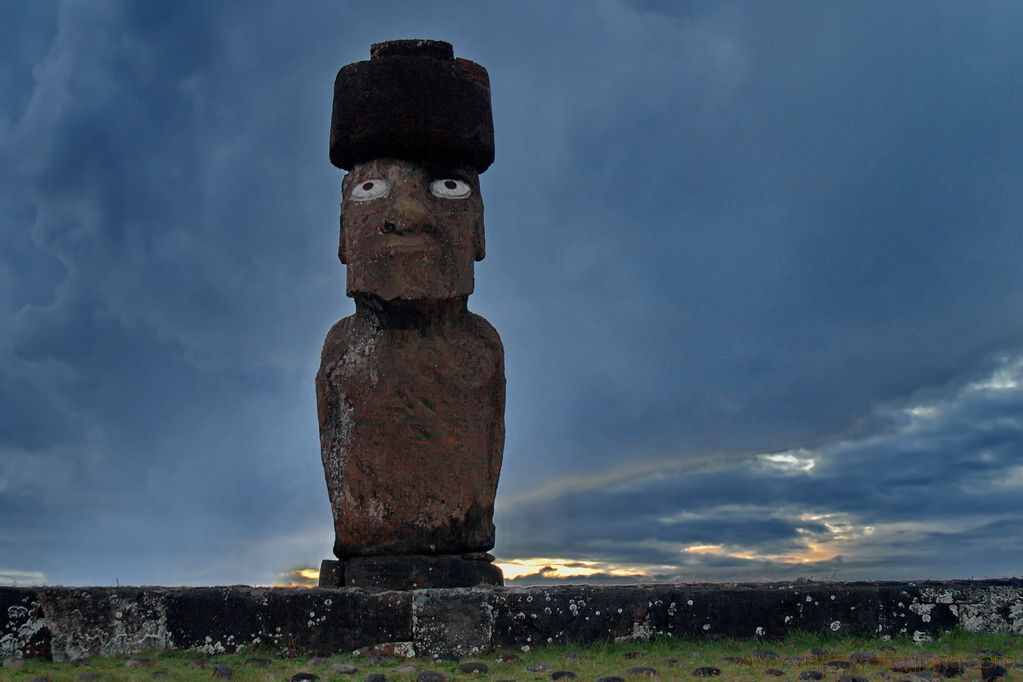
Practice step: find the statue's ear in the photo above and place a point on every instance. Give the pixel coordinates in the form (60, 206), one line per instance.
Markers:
(341, 252)
(341, 242)
(479, 238)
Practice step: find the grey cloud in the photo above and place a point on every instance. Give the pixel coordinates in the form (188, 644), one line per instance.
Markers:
(714, 230)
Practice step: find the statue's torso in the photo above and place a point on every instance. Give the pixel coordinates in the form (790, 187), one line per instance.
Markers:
(412, 434)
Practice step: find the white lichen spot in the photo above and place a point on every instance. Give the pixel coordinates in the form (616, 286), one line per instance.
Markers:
(760, 631)
(920, 637)
(525, 648)
(809, 599)
(788, 618)
(706, 626)
(835, 625)
(688, 602)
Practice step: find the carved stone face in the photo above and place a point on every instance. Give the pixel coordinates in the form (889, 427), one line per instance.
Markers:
(410, 231)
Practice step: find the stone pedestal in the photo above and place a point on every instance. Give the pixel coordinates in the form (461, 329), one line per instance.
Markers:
(412, 572)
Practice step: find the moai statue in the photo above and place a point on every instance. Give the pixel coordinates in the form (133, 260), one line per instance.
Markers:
(410, 391)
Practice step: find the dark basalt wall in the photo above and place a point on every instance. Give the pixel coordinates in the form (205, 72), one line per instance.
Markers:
(69, 623)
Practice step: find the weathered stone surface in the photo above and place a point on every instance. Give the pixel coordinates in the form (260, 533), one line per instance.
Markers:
(412, 430)
(71, 623)
(417, 571)
(331, 573)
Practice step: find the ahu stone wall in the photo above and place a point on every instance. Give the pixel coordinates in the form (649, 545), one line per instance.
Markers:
(66, 623)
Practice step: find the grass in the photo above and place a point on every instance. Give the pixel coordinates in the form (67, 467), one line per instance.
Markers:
(672, 660)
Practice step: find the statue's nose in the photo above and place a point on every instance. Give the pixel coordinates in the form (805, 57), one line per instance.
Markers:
(408, 215)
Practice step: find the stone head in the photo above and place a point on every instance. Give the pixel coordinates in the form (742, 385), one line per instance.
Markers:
(413, 128)
(411, 230)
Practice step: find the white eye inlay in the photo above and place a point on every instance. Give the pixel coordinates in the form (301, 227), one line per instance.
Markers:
(367, 190)
(449, 188)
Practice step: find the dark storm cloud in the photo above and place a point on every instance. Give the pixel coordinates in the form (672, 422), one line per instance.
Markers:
(714, 230)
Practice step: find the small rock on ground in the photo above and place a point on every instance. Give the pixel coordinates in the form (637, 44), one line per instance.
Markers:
(852, 678)
(406, 669)
(991, 671)
(631, 654)
(706, 671)
(343, 669)
(864, 657)
(14, 662)
(258, 662)
(811, 675)
(138, 663)
(538, 668)
(375, 677)
(221, 670)
(949, 668)
(774, 672)
(430, 676)
(562, 675)
(304, 677)
(473, 667)
(610, 679)
(88, 677)
(818, 652)
(837, 665)
(507, 658)
(316, 662)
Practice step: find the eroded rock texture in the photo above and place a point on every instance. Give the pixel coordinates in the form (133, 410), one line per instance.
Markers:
(411, 408)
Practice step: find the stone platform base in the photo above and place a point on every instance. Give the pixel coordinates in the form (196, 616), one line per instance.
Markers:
(74, 622)
(411, 572)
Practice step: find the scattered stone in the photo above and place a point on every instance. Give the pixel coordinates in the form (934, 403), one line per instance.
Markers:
(631, 655)
(304, 677)
(949, 668)
(774, 672)
(430, 676)
(258, 662)
(221, 670)
(672, 661)
(507, 658)
(610, 679)
(794, 660)
(88, 677)
(343, 669)
(406, 669)
(908, 665)
(375, 677)
(852, 678)
(763, 654)
(924, 676)
(14, 662)
(835, 664)
(703, 671)
(538, 668)
(316, 662)
(991, 671)
(811, 675)
(573, 656)
(157, 674)
(138, 663)
(864, 657)
(993, 653)
(648, 672)
(736, 660)
(562, 675)
(473, 667)
(818, 652)
(200, 662)
(40, 679)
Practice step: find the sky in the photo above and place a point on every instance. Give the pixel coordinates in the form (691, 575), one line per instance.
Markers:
(756, 267)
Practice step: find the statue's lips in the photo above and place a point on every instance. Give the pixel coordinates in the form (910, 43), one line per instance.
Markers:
(408, 244)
